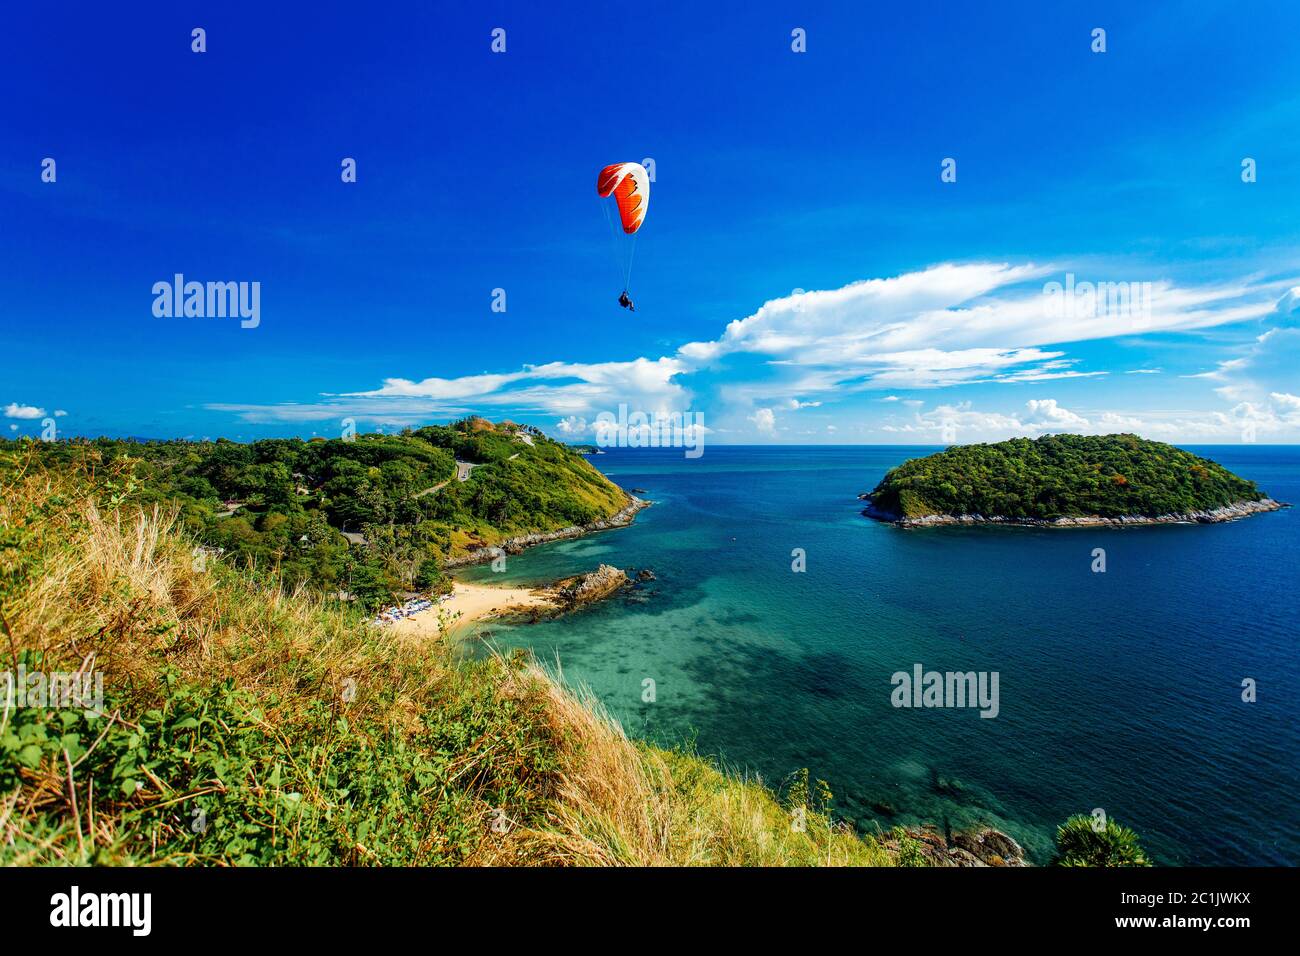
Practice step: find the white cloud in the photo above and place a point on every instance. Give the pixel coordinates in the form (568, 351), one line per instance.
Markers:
(956, 323)
(964, 424)
(1290, 403)
(948, 325)
(1289, 303)
(573, 426)
(764, 420)
(564, 387)
(1046, 413)
(14, 410)
(1265, 367)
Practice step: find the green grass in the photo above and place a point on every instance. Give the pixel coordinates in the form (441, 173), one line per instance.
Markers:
(247, 725)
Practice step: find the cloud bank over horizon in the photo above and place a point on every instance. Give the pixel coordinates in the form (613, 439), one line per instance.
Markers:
(836, 364)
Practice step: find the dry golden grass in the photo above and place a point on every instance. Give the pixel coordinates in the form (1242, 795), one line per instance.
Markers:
(90, 579)
(626, 803)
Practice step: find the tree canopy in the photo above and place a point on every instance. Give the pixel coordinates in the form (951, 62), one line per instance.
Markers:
(1055, 476)
(284, 504)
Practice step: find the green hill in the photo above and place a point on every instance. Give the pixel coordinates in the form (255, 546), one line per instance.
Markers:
(1059, 477)
(245, 725)
(284, 505)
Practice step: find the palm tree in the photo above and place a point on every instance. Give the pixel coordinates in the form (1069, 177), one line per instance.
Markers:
(1081, 841)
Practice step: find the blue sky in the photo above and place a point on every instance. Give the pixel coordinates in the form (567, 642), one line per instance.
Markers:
(925, 318)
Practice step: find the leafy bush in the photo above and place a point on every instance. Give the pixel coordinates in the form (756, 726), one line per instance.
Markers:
(1079, 842)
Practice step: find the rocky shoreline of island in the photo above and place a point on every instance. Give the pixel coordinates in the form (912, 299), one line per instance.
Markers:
(1231, 512)
(516, 545)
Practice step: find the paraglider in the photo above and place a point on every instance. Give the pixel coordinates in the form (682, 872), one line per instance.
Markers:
(629, 184)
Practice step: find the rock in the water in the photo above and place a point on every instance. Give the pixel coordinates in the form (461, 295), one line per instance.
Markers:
(586, 588)
(645, 575)
(983, 847)
(991, 847)
(571, 594)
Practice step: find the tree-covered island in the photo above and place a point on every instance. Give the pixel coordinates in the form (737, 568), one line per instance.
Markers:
(1063, 480)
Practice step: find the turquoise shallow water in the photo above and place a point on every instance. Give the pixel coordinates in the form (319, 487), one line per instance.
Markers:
(1119, 690)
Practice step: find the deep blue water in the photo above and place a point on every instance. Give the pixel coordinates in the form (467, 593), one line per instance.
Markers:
(1119, 690)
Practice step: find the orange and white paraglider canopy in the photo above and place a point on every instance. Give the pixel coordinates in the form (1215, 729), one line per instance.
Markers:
(629, 183)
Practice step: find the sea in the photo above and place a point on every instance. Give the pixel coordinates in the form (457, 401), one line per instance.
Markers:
(1163, 691)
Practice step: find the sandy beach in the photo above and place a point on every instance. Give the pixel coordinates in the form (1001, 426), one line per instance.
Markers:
(473, 602)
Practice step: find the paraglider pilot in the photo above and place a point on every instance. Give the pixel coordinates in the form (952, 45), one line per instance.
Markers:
(629, 184)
